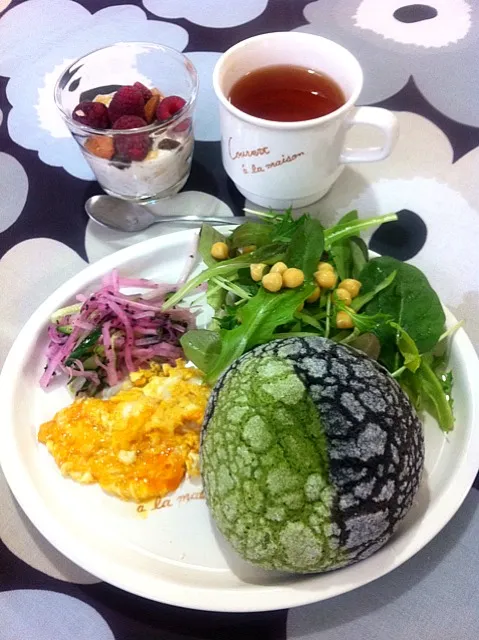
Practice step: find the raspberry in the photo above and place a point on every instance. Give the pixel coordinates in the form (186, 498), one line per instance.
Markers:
(145, 92)
(169, 106)
(93, 114)
(127, 101)
(184, 125)
(129, 122)
(133, 146)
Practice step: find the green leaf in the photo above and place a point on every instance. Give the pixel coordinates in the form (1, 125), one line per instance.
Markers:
(438, 361)
(218, 288)
(309, 320)
(369, 323)
(259, 318)
(215, 296)
(410, 385)
(349, 254)
(306, 247)
(410, 301)
(243, 279)
(208, 236)
(341, 253)
(359, 256)
(363, 323)
(251, 233)
(327, 328)
(447, 382)
(348, 229)
(267, 310)
(350, 216)
(346, 219)
(427, 391)
(85, 347)
(364, 298)
(268, 254)
(285, 227)
(230, 286)
(407, 347)
(202, 347)
(228, 320)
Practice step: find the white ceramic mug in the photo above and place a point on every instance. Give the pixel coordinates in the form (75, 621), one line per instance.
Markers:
(282, 164)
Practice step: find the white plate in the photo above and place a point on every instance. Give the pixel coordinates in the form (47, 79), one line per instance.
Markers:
(173, 554)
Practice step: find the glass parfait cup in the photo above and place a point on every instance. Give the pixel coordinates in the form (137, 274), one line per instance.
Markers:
(164, 164)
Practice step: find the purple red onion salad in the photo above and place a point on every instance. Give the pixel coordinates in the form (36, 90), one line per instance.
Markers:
(109, 334)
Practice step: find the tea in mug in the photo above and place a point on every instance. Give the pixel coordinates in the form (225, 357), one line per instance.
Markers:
(286, 93)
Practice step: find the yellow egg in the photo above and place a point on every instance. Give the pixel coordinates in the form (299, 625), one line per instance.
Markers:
(139, 443)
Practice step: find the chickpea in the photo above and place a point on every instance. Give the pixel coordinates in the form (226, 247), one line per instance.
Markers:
(344, 296)
(249, 249)
(219, 250)
(314, 296)
(293, 278)
(272, 281)
(344, 320)
(351, 285)
(326, 278)
(327, 266)
(257, 270)
(278, 267)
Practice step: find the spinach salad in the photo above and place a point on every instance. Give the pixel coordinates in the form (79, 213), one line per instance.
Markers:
(396, 317)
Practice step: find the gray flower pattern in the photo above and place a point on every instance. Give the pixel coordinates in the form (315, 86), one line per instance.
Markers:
(435, 42)
(394, 41)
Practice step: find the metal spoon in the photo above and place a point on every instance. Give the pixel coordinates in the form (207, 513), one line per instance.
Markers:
(127, 216)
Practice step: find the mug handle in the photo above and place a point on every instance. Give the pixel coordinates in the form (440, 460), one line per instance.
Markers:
(383, 120)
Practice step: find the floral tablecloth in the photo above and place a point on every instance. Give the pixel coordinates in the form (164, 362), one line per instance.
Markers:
(422, 61)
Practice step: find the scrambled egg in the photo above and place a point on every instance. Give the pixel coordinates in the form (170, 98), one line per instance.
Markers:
(139, 443)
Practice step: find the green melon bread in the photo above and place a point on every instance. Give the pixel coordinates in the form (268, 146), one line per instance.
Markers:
(311, 455)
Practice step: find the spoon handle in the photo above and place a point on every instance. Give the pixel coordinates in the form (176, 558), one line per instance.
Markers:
(209, 219)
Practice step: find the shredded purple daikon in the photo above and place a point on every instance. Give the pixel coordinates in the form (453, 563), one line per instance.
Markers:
(114, 334)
